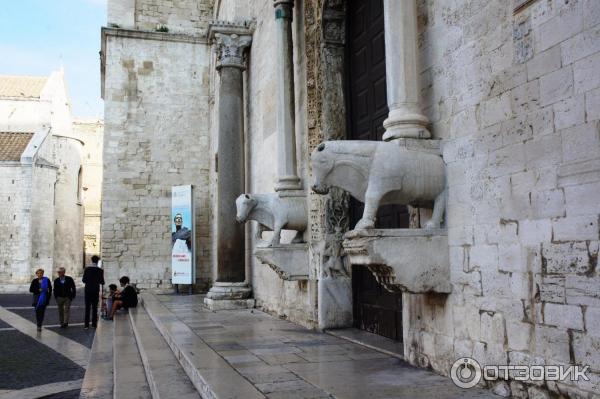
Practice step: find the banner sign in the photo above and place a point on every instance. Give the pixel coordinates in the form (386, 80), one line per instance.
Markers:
(183, 268)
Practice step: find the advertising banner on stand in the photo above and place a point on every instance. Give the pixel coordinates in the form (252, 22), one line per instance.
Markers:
(182, 235)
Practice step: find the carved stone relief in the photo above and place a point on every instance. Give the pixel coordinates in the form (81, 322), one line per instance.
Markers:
(324, 37)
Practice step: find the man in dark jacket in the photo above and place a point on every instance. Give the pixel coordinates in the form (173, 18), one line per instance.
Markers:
(64, 293)
(93, 278)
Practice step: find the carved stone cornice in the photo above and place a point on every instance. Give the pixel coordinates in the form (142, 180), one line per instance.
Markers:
(231, 41)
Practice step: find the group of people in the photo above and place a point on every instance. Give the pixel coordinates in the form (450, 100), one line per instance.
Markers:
(65, 291)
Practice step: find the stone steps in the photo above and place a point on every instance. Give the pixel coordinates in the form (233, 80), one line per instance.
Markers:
(98, 379)
(166, 378)
(210, 373)
(128, 370)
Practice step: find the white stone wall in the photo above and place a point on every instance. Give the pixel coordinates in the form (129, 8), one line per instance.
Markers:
(44, 226)
(156, 136)
(188, 17)
(68, 205)
(15, 216)
(24, 116)
(91, 132)
(516, 98)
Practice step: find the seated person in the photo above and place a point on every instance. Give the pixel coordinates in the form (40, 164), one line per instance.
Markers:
(127, 298)
(110, 298)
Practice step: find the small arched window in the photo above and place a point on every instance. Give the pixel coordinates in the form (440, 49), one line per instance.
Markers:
(79, 183)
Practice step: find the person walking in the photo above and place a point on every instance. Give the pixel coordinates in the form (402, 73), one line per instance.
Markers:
(41, 288)
(93, 278)
(64, 293)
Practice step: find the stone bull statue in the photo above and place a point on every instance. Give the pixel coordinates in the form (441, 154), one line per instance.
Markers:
(273, 213)
(380, 173)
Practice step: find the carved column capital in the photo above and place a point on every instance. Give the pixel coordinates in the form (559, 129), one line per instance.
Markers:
(283, 8)
(231, 50)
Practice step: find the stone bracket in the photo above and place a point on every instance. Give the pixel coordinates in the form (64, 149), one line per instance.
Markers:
(289, 261)
(411, 260)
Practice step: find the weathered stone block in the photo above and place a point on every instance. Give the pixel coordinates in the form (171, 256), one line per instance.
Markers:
(581, 45)
(563, 316)
(495, 110)
(585, 74)
(567, 23)
(511, 258)
(569, 112)
(582, 199)
(552, 289)
(544, 63)
(581, 142)
(556, 86)
(576, 228)
(547, 204)
(533, 232)
(592, 321)
(543, 151)
(582, 290)
(571, 257)
(493, 327)
(586, 348)
(552, 344)
(592, 105)
(518, 335)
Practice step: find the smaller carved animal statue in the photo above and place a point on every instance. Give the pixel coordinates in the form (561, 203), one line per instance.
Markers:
(380, 173)
(273, 213)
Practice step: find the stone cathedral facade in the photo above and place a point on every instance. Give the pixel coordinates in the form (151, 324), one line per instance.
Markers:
(233, 97)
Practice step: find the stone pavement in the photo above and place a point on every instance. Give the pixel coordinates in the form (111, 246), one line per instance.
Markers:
(279, 359)
(34, 364)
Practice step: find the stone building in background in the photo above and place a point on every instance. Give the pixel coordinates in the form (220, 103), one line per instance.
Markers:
(41, 212)
(232, 96)
(91, 131)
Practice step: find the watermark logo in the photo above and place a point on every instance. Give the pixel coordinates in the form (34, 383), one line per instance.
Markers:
(467, 372)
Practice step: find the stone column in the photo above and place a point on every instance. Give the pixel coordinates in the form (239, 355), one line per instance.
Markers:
(230, 283)
(405, 118)
(286, 148)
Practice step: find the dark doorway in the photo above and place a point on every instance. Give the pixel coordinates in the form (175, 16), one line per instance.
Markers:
(375, 309)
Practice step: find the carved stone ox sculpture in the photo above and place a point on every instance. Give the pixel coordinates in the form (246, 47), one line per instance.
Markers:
(380, 173)
(273, 213)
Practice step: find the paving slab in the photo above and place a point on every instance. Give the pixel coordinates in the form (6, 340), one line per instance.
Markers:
(284, 360)
(166, 377)
(70, 349)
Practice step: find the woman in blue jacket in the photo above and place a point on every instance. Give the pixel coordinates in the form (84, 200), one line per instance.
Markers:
(41, 288)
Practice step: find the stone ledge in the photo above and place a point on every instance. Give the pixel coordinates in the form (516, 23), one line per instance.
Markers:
(412, 260)
(289, 261)
(151, 35)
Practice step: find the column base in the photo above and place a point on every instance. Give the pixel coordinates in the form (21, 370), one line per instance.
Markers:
(228, 296)
(229, 291)
(288, 183)
(405, 123)
(229, 304)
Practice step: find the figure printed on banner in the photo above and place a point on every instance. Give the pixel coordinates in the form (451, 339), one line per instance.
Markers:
(182, 235)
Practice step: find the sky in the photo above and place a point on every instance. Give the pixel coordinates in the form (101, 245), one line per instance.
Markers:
(39, 36)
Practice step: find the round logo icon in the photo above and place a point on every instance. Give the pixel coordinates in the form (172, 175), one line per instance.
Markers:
(465, 372)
